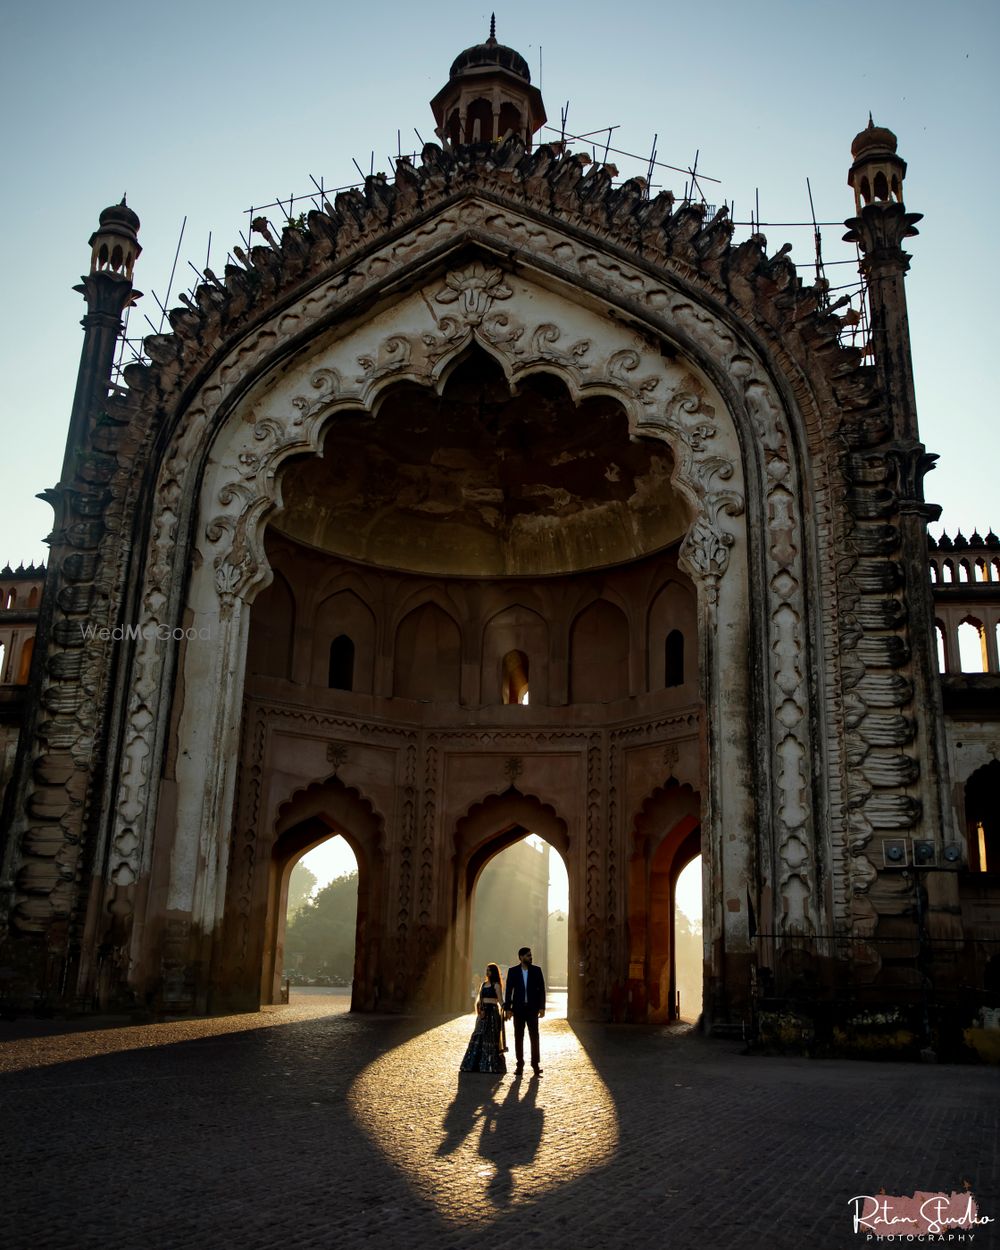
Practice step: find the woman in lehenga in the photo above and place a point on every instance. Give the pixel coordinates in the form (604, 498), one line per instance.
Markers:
(487, 1045)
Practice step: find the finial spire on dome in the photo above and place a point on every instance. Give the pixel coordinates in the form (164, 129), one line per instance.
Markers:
(493, 28)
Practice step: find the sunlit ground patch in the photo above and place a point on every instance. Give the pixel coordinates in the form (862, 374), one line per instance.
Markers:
(475, 1144)
(66, 1044)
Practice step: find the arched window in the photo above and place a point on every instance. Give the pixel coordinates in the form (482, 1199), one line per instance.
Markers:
(510, 121)
(515, 677)
(24, 666)
(33, 597)
(972, 646)
(342, 663)
(12, 599)
(674, 658)
(479, 122)
(3, 656)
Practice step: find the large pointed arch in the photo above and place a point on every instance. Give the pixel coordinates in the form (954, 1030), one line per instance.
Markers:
(525, 322)
(715, 350)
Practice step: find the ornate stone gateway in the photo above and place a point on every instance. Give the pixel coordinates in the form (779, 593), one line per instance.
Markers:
(495, 499)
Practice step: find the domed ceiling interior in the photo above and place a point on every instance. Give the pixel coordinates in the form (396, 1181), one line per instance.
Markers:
(480, 481)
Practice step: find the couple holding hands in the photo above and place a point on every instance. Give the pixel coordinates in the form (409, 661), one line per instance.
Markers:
(524, 1000)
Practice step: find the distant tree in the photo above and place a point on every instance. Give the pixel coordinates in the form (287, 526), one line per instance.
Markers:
(688, 959)
(301, 884)
(319, 939)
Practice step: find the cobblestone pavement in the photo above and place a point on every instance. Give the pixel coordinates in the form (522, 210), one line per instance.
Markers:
(306, 1126)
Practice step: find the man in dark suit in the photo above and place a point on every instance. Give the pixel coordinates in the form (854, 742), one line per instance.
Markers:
(525, 1001)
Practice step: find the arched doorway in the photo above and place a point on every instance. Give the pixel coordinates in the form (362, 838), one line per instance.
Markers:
(321, 920)
(250, 970)
(525, 829)
(521, 898)
(667, 839)
(689, 945)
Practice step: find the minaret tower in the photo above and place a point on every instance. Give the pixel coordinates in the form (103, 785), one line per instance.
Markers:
(45, 856)
(108, 291)
(897, 457)
(488, 96)
(879, 229)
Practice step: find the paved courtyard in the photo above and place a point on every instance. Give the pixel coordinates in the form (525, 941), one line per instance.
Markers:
(305, 1126)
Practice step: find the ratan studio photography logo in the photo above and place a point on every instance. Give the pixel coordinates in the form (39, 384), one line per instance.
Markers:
(146, 633)
(928, 1218)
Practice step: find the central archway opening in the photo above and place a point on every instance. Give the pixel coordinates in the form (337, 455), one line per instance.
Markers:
(521, 898)
(513, 888)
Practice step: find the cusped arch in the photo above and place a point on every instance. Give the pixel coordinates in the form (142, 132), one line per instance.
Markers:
(311, 815)
(670, 806)
(450, 485)
(498, 821)
(341, 809)
(659, 400)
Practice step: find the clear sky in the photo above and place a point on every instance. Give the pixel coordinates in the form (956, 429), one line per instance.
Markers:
(201, 110)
